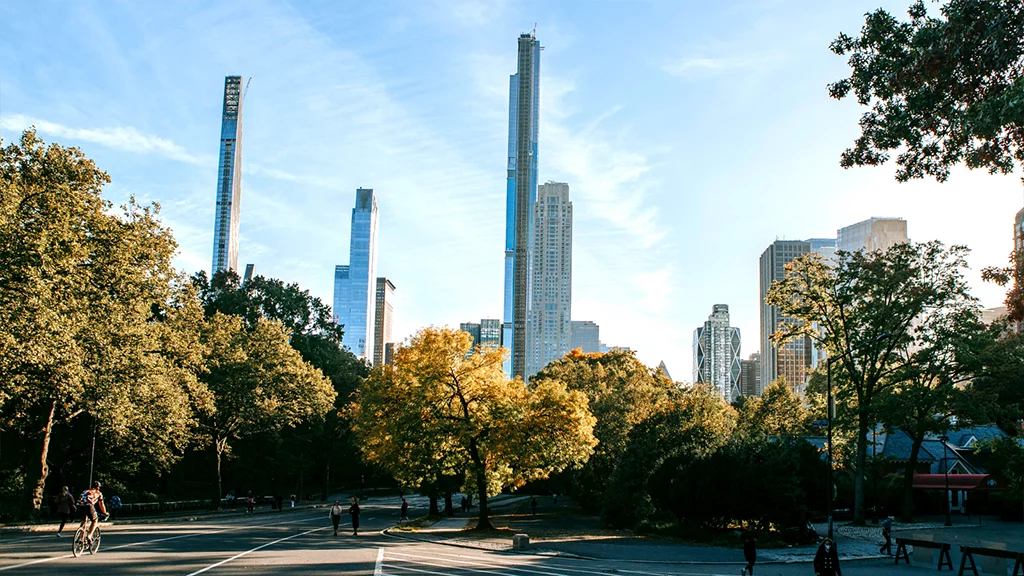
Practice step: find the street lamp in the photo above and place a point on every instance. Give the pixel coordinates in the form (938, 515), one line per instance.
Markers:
(831, 414)
(945, 470)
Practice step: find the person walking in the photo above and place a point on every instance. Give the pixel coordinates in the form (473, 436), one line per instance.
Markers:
(65, 507)
(354, 511)
(405, 511)
(335, 514)
(749, 538)
(250, 504)
(887, 534)
(293, 500)
(115, 507)
(554, 497)
(533, 505)
(280, 503)
(826, 561)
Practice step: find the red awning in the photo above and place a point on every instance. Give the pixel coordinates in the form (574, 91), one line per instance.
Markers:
(957, 482)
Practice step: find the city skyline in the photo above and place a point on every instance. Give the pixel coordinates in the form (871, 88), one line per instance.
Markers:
(417, 105)
(355, 283)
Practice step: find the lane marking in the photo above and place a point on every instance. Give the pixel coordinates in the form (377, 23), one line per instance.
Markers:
(556, 566)
(422, 571)
(401, 567)
(380, 560)
(237, 556)
(482, 564)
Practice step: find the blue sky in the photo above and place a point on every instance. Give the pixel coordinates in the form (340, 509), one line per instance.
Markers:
(692, 135)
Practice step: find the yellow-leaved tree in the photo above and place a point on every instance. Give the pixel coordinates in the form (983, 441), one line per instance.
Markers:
(441, 411)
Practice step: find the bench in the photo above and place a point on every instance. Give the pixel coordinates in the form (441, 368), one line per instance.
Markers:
(942, 547)
(970, 551)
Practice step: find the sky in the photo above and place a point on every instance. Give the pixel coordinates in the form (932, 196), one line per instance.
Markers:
(691, 134)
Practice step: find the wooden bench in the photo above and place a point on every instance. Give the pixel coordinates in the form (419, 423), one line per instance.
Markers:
(942, 547)
(970, 551)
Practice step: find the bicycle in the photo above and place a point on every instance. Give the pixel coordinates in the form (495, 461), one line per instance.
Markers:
(80, 542)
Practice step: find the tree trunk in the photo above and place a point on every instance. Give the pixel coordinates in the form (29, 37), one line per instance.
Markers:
(860, 467)
(218, 448)
(448, 508)
(39, 491)
(434, 511)
(907, 514)
(483, 521)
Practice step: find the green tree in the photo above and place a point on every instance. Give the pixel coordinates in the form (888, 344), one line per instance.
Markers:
(621, 392)
(1001, 377)
(861, 310)
(80, 292)
(459, 411)
(777, 412)
(256, 382)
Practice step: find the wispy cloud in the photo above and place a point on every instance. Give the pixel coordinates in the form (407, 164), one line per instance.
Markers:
(689, 66)
(124, 138)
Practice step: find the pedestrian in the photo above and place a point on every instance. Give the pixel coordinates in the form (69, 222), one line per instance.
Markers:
(533, 505)
(250, 504)
(293, 500)
(887, 534)
(826, 561)
(336, 512)
(280, 503)
(115, 507)
(65, 507)
(362, 487)
(749, 538)
(354, 511)
(405, 511)
(554, 497)
(230, 500)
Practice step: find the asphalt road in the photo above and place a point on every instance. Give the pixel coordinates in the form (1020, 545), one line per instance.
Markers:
(301, 542)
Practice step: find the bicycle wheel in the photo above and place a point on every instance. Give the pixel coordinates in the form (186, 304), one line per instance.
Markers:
(78, 545)
(94, 546)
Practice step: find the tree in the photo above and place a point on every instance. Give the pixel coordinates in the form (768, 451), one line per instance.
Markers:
(621, 392)
(777, 412)
(256, 382)
(1001, 377)
(861, 310)
(440, 404)
(81, 291)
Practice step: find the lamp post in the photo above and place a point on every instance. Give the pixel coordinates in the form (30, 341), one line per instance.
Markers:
(945, 470)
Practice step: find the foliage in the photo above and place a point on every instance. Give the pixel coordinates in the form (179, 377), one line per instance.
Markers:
(944, 90)
(440, 411)
(1001, 377)
(777, 412)
(1007, 462)
(1012, 276)
(861, 309)
(82, 292)
(621, 392)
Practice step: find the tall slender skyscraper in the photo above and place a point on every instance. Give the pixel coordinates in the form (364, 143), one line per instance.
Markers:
(384, 312)
(229, 180)
(716, 354)
(355, 284)
(521, 193)
(550, 325)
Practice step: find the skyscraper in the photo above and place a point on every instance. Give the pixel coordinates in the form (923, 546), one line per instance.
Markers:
(229, 180)
(490, 333)
(750, 375)
(716, 353)
(586, 336)
(1018, 233)
(354, 284)
(383, 312)
(549, 326)
(521, 193)
(473, 329)
(872, 234)
(791, 360)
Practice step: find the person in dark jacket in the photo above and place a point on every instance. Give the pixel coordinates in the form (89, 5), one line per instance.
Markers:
(533, 505)
(65, 507)
(335, 515)
(354, 511)
(405, 511)
(749, 538)
(887, 534)
(826, 561)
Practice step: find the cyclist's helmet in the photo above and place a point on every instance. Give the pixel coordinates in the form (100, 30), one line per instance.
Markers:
(97, 485)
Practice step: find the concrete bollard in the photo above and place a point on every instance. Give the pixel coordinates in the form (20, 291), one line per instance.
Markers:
(521, 542)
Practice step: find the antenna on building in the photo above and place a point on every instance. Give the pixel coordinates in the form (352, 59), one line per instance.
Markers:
(246, 91)
(534, 31)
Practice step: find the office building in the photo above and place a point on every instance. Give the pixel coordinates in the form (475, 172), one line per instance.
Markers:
(383, 313)
(521, 193)
(716, 354)
(389, 353)
(586, 336)
(793, 359)
(229, 180)
(490, 333)
(750, 376)
(473, 329)
(872, 234)
(664, 370)
(355, 283)
(250, 270)
(549, 325)
(1018, 232)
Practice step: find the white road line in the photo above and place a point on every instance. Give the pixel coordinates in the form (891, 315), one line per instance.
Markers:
(422, 571)
(554, 566)
(454, 567)
(380, 560)
(483, 564)
(604, 573)
(39, 561)
(237, 556)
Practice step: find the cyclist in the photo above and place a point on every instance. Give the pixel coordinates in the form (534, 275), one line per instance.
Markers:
(88, 502)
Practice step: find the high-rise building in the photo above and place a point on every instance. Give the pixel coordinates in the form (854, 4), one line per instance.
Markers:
(383, 314)
(490, 333)
(716, 353)
(389, 354)
(872, 234)
(791, 360)
(1018, 232)
(250, 269)
(586, 336)
(664, 370)
(521, 193)
(549, 326)
(473, 329)
(750, 375)
(355, 284)
(229, 180)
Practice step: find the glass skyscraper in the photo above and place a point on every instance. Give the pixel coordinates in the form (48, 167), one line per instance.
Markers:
(384, 316)
(716, 354)
(229, 180)
(355, 284)
(521, 194)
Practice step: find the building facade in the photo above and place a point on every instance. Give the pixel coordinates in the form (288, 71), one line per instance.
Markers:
(228, 213)
(586, 336)
(791, 360)
(716, 354)
(521, 193)
(750, 376)
(473, 329)
(872, 234)
(384, 310)
(550, 325)
(1018, 232)
(355, 283)
(490, 333)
